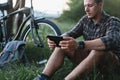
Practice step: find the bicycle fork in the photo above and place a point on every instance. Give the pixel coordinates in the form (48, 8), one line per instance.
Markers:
(34, 30)
(34, 27)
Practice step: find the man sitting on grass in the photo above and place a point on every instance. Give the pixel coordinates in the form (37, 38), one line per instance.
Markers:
(100, 48)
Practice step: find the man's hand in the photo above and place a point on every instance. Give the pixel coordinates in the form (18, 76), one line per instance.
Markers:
(68, 44)
(51, 44)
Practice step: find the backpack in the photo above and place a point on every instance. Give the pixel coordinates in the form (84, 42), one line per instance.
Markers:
(13, 51)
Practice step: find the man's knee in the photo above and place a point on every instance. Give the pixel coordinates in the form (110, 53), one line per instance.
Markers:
(98, 52)
(108, 61)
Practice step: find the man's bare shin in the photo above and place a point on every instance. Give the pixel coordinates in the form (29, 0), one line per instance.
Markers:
(54, 63)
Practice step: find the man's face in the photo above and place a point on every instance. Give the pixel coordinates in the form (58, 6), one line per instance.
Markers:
(92, 9)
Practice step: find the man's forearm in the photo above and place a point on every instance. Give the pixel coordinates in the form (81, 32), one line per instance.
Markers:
(95, 44)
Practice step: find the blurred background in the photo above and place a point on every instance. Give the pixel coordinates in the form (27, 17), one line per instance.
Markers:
(68, 9)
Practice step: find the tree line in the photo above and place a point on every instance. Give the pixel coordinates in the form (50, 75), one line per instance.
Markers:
(10, 7)
(76, 9)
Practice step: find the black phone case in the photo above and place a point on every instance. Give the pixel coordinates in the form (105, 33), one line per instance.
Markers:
(56, 39)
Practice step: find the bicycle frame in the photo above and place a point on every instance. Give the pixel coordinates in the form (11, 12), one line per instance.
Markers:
(32, 24)
(4, 18)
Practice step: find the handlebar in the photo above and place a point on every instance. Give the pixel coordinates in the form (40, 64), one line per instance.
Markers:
(24, 10)
(4, 6)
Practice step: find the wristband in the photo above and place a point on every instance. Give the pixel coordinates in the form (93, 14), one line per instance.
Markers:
(81, 45)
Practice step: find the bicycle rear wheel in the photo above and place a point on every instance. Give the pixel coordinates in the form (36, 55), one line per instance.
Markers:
(44, 27)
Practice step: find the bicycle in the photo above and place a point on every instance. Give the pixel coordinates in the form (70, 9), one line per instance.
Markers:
(32, 30)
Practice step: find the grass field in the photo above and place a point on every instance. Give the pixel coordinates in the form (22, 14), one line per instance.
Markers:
(28, 71)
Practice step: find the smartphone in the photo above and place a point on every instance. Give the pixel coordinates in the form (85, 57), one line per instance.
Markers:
(56, 39)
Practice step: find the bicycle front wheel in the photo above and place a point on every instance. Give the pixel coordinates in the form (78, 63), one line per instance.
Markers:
(44, 28)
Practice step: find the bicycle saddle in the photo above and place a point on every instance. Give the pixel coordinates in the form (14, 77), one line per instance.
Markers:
(4, 6)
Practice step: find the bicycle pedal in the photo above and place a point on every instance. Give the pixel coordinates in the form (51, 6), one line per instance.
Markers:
(39, 45)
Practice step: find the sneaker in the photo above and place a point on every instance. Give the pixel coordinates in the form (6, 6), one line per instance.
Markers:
(41, 77)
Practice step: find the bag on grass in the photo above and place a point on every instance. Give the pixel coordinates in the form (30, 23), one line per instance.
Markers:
(13, 51)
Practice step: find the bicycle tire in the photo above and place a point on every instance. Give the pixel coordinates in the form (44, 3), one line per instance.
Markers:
(50, 24)
(45, 27)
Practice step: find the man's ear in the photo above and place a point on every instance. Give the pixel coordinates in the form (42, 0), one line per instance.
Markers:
(101, 4)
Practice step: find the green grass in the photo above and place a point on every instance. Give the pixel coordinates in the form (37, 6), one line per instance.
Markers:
(21, 71)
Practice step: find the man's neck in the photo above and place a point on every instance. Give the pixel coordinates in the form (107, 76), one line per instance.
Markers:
(97, 18)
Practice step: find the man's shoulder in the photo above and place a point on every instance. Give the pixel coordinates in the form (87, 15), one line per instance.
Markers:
(113, 18)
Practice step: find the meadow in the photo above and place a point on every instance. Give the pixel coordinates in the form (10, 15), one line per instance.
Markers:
(27, 71)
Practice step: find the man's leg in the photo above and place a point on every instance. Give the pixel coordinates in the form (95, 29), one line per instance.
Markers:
(56, 60)
(88, 64)
(109, 63)
(54, 63)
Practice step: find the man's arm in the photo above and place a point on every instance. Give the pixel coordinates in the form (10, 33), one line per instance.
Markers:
(96, 44)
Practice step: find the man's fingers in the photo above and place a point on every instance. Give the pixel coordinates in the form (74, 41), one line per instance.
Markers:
(67, 38)
(64, 48)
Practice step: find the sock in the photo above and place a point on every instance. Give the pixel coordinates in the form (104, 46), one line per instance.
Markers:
(44, 76)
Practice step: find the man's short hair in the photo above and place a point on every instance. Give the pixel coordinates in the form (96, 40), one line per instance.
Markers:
(98, 1)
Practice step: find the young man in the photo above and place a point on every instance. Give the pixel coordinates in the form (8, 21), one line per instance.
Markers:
(101, 45)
